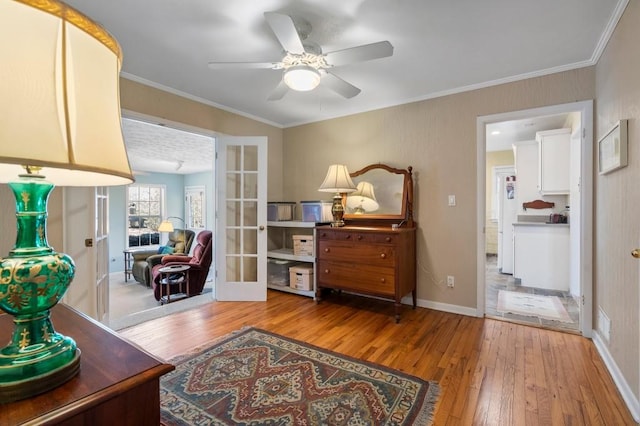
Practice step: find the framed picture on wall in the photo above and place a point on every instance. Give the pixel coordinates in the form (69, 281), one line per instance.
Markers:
(612, 149)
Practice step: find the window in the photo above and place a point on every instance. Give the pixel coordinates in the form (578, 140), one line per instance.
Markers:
(195, 207)
(144, 214)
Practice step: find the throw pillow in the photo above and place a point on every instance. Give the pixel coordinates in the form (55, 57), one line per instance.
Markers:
(165, 250)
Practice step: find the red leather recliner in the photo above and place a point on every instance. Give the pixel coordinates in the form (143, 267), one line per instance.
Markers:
(199, 263)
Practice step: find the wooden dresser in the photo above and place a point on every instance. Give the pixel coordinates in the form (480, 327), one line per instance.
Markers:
(118, 383)
(370, 260)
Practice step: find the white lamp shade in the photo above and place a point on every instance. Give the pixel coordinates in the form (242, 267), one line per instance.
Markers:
(302, 78)
(363, 198)
(59, 96)
(337, 180)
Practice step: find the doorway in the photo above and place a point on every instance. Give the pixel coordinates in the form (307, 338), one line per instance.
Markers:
(180, 159)
(507, 304)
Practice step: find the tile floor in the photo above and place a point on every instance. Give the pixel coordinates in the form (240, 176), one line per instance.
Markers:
(496, 281)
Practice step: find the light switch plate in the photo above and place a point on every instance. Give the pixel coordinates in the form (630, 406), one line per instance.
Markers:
(452, 200)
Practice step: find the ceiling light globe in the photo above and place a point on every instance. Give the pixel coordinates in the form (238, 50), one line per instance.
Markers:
(302, 78)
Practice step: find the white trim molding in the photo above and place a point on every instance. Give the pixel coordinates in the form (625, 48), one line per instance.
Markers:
(623, 387)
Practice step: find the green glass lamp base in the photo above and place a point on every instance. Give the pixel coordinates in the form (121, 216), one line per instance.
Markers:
(33, 278)
(34, 385)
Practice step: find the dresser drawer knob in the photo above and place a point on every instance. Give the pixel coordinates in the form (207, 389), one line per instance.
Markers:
(359, 237)
(383, 256)
(327, 250)
(382, 280)
(347, 236)
(388, 239)
(326, 271)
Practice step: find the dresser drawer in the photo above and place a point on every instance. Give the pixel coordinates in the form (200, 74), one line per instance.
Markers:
(371, 254)
(358, 236)
(363, 278)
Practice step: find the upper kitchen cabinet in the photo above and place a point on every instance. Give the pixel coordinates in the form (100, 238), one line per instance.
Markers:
(553, 161)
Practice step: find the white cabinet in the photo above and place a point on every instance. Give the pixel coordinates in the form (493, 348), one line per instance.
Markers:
(280, 248)
(541, 255)
(554, 150)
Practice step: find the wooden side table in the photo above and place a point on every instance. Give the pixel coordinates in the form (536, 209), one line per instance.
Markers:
(118, 383)
(174, 275)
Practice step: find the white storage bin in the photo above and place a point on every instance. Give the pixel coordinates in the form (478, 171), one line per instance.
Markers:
(303, 245)
(282, 210)
(316, 211)
(278, 271)
(301, 277)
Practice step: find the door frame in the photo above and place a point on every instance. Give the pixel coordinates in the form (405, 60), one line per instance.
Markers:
(585, 108)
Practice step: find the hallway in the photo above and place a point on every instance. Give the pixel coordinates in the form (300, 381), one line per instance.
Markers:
(496, 281)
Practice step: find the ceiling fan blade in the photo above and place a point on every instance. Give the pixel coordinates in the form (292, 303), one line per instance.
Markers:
(280, 90)
(339, 86)
(285, 31)
(362, 53)
(244, 65)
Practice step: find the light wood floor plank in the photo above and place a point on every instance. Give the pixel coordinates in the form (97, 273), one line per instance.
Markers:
(490, 372)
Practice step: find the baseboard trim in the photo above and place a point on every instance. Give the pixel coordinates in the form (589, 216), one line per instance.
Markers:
(633, 404)
(444, 307)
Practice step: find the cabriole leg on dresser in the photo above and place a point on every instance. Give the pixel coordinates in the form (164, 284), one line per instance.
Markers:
(398, 307)
(413, 294)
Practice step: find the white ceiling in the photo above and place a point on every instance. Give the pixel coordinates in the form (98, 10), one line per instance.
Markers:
(501, 136)
(159, 149)
(440, 47)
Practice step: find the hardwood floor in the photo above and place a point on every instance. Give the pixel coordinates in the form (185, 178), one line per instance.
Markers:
(490, 372)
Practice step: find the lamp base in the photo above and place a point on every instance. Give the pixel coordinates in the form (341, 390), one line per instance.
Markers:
(337, 210)
(33, 278)
(26, 388)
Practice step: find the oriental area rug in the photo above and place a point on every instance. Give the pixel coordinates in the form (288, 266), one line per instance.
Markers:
(546, 307)
(254, 377)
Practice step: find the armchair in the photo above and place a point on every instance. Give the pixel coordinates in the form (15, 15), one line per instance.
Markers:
(180, 241)
(199, 264)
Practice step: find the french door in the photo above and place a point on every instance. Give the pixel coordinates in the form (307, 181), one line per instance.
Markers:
(241, 206)
(85, 224)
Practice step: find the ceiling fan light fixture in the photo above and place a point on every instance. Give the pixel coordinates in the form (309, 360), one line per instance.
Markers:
(302, 78)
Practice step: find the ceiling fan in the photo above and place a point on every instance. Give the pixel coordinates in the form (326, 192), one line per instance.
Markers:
(304, 65)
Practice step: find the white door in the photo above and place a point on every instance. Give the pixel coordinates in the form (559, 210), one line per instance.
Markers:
(241, 206)
(85, 232)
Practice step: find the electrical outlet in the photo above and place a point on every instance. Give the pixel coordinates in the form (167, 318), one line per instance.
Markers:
(451, 281)
(452, 200)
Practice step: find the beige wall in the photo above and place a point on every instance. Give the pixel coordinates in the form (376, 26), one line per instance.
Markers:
(438, 138)
(146, 100)
(617, 199)
(495, 158)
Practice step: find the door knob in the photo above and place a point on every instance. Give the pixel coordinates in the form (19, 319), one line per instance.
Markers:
(635, 253)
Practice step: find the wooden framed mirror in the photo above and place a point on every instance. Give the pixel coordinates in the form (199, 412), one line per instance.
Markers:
(383, 193)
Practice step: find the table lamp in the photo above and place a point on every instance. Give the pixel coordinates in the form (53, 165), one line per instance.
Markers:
(59, 118)
(363, 199)
(339, 182)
